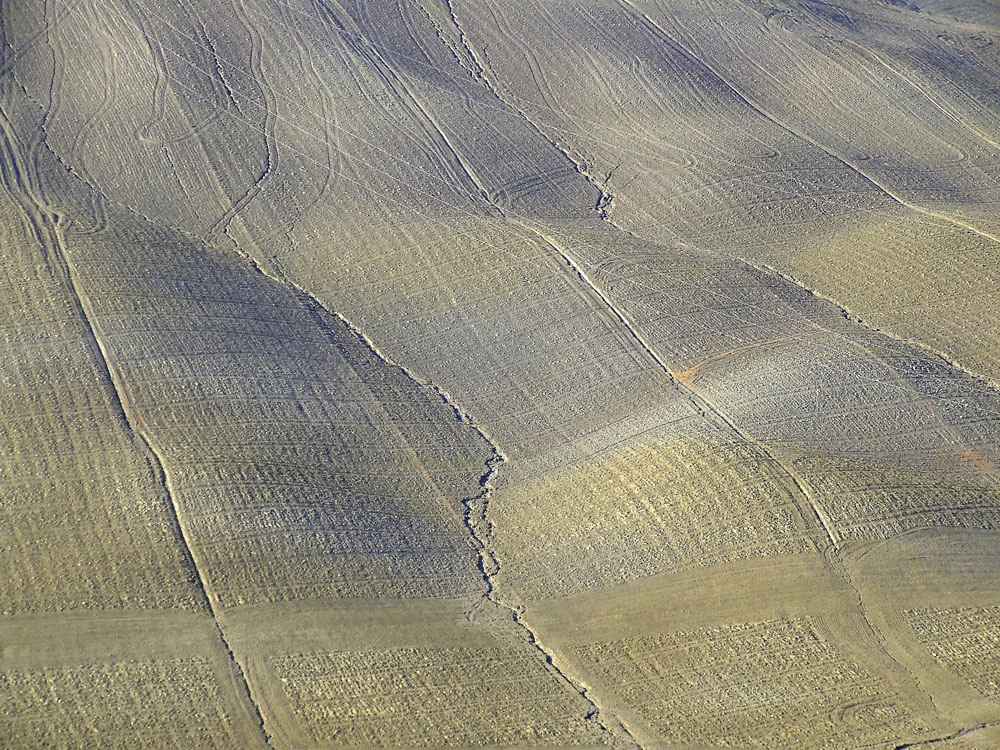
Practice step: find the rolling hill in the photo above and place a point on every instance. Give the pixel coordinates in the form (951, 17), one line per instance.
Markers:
(446, 373)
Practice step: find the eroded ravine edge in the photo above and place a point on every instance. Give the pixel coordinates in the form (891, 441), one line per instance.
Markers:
(475, 519)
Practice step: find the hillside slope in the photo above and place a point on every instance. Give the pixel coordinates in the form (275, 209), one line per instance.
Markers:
(486, 373)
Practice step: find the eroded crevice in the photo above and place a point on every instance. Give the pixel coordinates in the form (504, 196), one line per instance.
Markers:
(948, 737)
(475, 515)
(605, 199)
(480, 531)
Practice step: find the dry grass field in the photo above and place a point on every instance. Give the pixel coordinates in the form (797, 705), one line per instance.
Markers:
(486, 373)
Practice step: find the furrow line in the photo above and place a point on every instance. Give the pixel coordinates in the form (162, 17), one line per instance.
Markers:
(701, 403)
(138, 428)
(804, 136)
(853, 317)
(45, 224)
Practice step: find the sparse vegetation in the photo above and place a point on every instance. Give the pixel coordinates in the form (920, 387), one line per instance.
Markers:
(499, 373)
